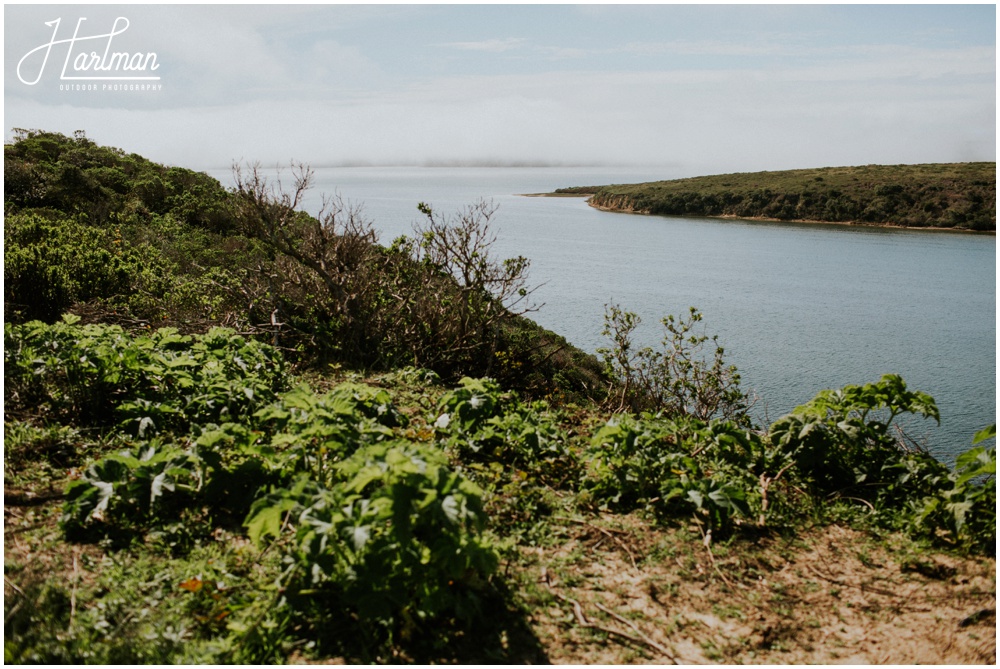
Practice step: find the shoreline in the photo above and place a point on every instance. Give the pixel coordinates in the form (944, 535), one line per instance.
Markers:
(763, 219)
(587, 195)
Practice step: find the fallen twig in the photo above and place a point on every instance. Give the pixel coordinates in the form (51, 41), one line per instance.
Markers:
(637, 638)
(707, 540)
(635, 627)
(845, 584)
(72, 594)
(13, 585)
(606, 533)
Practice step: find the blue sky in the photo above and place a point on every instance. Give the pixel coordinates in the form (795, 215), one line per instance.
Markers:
(703, 88)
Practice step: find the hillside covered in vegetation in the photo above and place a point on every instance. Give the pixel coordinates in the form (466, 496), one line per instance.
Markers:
(236, 432)
(945, 195)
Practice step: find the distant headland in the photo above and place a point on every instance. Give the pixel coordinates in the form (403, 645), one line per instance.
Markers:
(957, 196)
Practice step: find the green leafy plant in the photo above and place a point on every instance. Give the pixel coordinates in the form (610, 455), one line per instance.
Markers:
(841, 439)
(962, 501)
(99, 375)
(396, 539)
(676, 467)
(465, 409)
(166, 487)
(314, 433)
(132, 487)
(677, 379)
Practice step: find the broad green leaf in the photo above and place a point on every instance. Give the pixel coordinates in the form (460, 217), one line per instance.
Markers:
(267, 521)
(986, 433)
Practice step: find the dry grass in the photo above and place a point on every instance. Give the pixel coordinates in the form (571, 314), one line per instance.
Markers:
(610, 589)
(832, 595)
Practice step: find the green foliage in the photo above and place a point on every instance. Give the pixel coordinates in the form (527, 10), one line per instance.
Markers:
(841, 439)
(961, 195)
(75, 175)
(962, 501)
(47, 452)
(214, 605)
(516, 451)
(380, 526)
(52, 262)
(365, 528)
(677, 379)
(471, 404)
(483, 423)
(840, 443)
(396, 539)
(677, 467)
(134, 487)
(312, 434)
(97, 375)
(91, 228)
(174, 491)
(115, 237)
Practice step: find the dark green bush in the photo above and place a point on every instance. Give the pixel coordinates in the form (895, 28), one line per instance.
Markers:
(98, 375)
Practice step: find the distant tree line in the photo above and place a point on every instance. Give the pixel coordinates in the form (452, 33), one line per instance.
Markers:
(959, 195)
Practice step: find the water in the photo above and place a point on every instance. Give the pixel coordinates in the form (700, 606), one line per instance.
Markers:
(798, 307)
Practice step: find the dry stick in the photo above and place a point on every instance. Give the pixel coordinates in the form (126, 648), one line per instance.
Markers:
(641, 639)
(13, 585)
(605, 533)
(72, 594)
(863, 501)
(864, 588)
(635, 627)
(708, 547)
(765, 484)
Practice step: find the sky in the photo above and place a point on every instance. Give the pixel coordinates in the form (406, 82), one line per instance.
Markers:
(701, 88)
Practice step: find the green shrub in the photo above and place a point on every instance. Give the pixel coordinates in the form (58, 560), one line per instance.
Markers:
(677, 379)
(841, 440)
(841, 445)
(396, 539)
(465, 409)
(51, 262)
(177, 490)
(131, 488)
(960, 502)
(677, 467)
(312, 433)
(97, 375)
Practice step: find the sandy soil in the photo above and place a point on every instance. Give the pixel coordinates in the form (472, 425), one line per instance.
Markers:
(835, 596)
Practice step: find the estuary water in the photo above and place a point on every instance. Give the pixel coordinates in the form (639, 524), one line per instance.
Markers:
(798, 307)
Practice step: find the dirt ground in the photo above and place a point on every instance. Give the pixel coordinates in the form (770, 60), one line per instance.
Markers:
(609, 594)
(617, 590)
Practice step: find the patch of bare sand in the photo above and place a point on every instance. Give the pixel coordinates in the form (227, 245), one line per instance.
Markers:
(616, 591)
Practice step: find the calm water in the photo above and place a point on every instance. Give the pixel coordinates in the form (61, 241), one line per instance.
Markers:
(799, 308)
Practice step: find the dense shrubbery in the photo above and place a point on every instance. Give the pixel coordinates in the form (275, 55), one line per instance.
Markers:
(101, 185)
(382, 526)
(375, 517)
(959, 195)
(837, 446)
(98, 375)
(116, 237)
